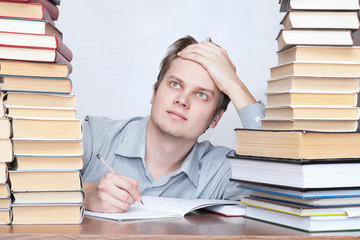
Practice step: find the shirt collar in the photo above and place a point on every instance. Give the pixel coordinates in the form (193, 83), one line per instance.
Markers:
(132, 145)
(132, 140)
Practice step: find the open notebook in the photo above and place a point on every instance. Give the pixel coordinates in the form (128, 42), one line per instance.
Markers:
(161, 207)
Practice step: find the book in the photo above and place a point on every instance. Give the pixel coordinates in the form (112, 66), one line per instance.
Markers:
(34, 69)
(35, 84)
(51, 8)
(161, 207)
(5, 128)
(315, 69)
(321, 20)
(307, 175)
(287, 5)
(32, 44)
(40, 113)
(290, 37)
(237, 210)
(299, 210)
(2, 106)
(308, 224)
(47, 214)
(327, 125)
(39, 100)
(48, 148)
(315, 196)
(6, 150)
(30, 10)
(48, 197)
(313, 202)
(47, 163)
(4, 190)
(56, 2)
(33, 55)
(313, 84)
(5, 203)
(31, 26)
(3, 173)
(42, 180)
(5, 216)
(311, 98)
(312, 112)
(325, 54)
(46, 129)
(300, 145)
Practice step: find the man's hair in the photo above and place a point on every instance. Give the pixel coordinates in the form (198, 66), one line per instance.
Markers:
(171, 55)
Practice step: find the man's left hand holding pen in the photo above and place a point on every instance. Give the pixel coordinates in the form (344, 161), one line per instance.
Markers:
(112, 193)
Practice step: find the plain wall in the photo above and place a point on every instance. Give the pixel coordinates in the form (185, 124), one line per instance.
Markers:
(118, 45)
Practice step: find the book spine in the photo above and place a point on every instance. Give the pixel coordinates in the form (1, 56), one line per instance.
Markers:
(60, 59)
(64, 50)
(52, 9)
(47, 17)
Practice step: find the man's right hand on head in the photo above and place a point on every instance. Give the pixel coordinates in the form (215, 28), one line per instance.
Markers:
(112, 193)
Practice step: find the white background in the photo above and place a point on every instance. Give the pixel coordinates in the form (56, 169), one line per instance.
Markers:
(118, 45)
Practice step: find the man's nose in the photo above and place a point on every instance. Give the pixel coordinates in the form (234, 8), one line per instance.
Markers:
(183, 100)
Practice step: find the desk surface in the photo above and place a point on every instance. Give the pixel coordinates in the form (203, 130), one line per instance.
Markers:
(198, 225)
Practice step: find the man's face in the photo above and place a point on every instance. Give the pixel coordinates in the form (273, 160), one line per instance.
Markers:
(185, 102)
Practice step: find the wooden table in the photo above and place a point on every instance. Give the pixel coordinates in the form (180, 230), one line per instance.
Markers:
(197, 225)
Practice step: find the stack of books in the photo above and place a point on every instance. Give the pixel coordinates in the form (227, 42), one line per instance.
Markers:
(6, 156)
(315, 83)
(302, 169)
(42, 142)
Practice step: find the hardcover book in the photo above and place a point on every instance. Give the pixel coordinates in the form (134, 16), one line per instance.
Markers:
(300, 145)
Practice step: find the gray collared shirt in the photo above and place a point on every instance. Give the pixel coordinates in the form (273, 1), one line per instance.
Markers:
(205, 172)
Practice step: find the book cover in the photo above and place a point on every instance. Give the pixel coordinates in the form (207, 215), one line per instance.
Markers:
(161, 207)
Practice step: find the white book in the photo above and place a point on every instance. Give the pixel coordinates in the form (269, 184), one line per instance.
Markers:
(161, 207)
(309, 224)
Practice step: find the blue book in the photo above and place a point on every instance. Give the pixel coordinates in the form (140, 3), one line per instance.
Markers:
(299, 193)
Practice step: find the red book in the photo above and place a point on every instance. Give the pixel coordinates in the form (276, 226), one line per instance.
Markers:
(40, 41)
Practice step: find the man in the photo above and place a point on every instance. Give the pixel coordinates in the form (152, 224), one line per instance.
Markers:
(159, 155)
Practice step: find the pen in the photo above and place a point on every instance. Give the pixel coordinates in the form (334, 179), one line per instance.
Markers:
(108, 167)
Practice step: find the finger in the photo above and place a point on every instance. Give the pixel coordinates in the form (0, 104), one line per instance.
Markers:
(121, 194)
(212, 45)
(199, 47)
(209, 50)
(108, 186)
(198, 58)
(110, 204)
(133, 181)
(221, 51)
(129, 185)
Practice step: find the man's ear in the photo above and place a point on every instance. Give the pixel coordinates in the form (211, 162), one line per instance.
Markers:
(153, 94)
(217, 118)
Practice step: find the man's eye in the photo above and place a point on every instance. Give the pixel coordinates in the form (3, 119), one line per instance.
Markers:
(202, 95)
(175, 84)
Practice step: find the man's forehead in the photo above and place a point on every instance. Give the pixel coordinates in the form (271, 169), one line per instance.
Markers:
(190, 72)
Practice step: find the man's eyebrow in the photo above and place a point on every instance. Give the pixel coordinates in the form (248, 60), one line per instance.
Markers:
(176, 78)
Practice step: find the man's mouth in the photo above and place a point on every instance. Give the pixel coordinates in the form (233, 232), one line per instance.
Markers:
(176, 116)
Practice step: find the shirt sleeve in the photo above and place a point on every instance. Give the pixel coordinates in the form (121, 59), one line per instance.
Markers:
(87, 143)
(251, 115)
